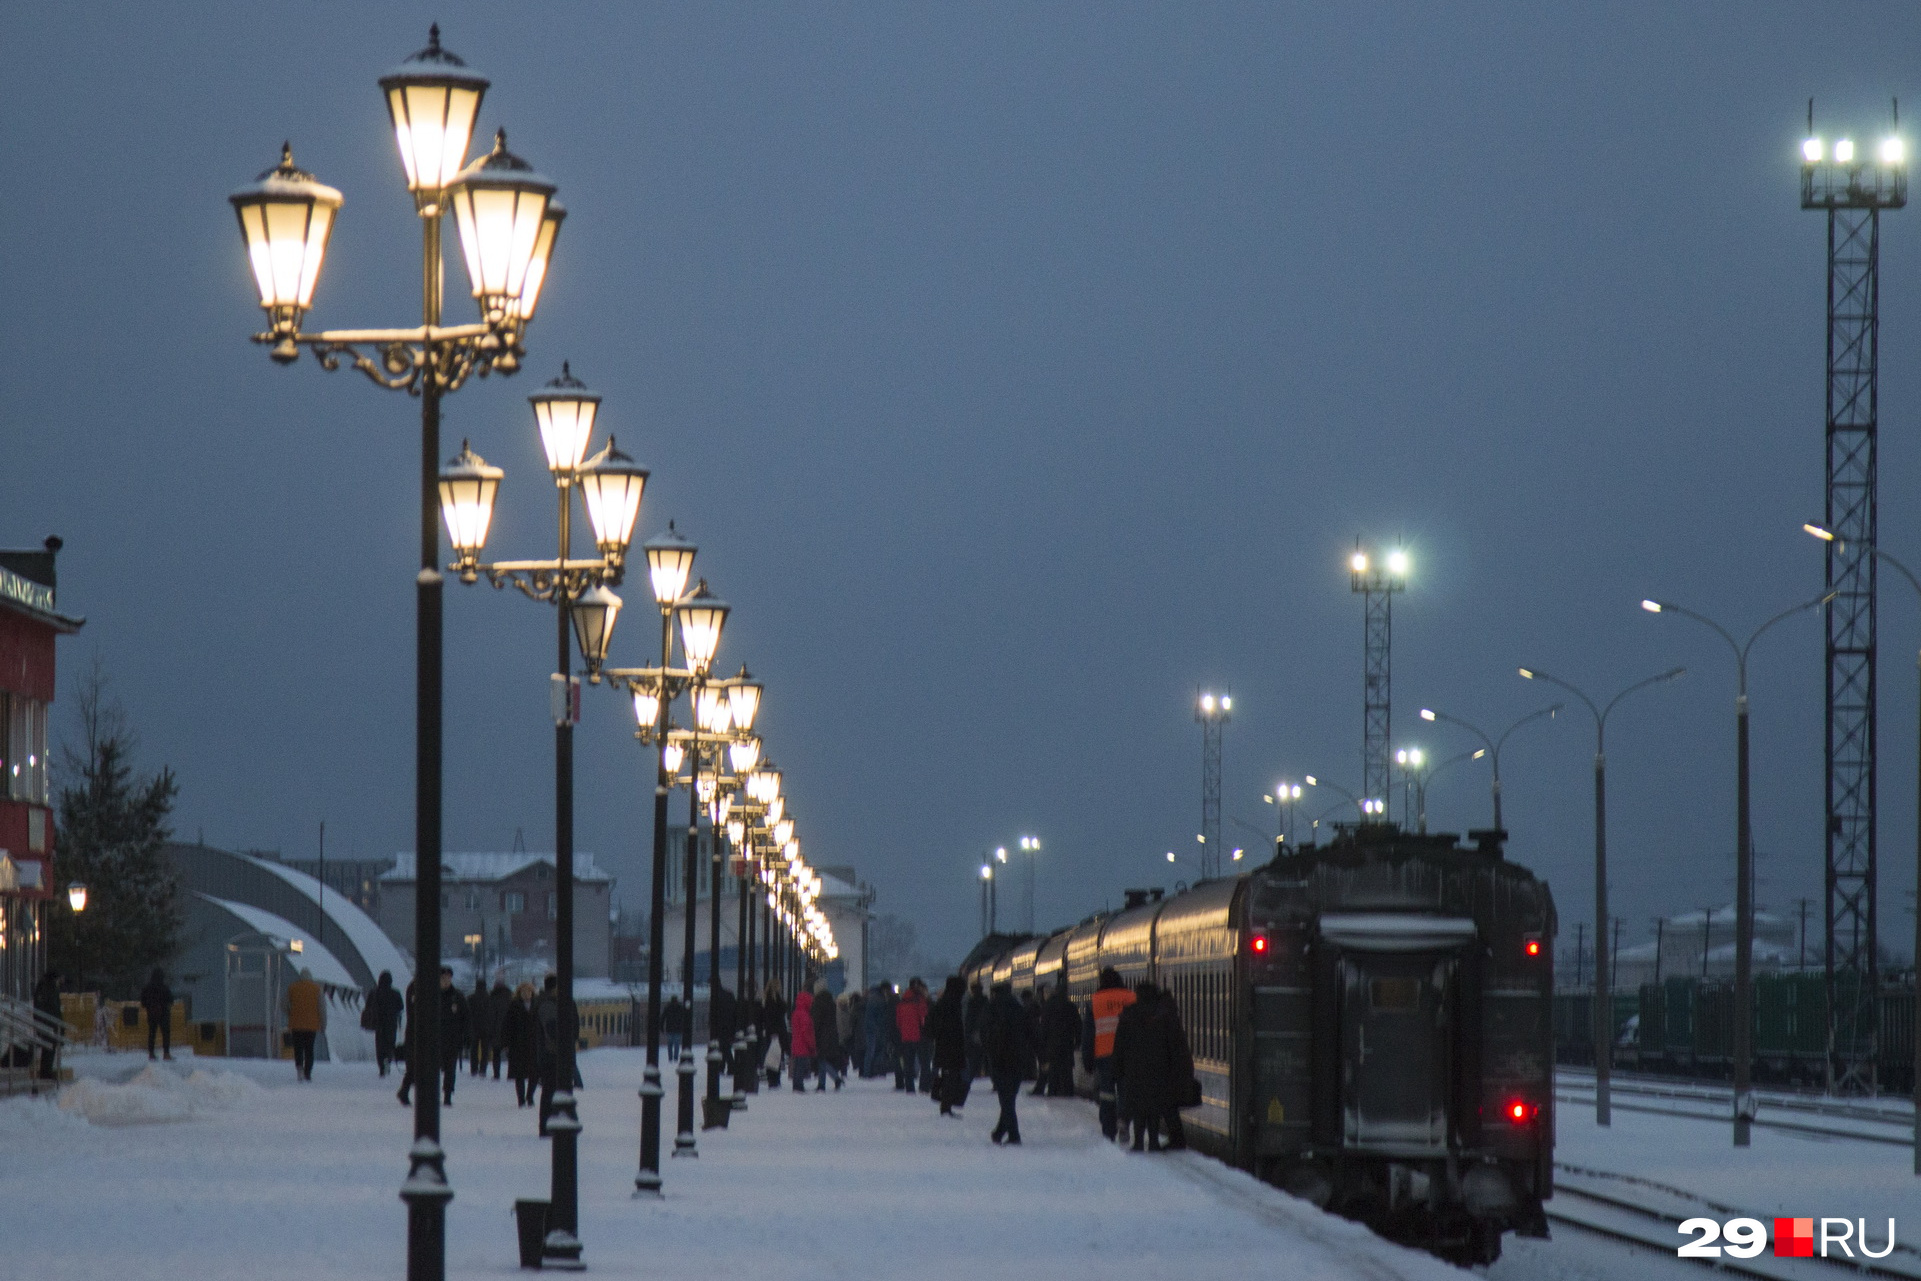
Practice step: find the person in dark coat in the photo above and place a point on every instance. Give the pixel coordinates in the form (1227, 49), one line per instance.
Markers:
(1007, 1045)
(453, 1036)
(498, 1002)
(877, 1019)
(947, 1025)
(827, 1047)
(157, 1000)
(672, 1020)
(1060, 1037)
(551, 1024)
(1141, 1066)
(1182, 1087)
(480, 1027)
(46, 999)
(517, 1037)
(856, 1047)
(722, 1010)
(973, 1020)
(384, 1008)
(774, 1007)
(1036, 1071)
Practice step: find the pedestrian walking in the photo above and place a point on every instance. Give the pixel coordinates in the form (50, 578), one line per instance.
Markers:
(1060, 1036)
(381, 1016)
(946, 1026)
(157, 1000)
(1031, 1006)
(774, 1006)
(499, 1001)
(306, 1008)
(827, 1052)
(672, 1015)
(453, 1036)
(1183, 1087)
(517, 1033)
(973, 1021)
(722, 1011)
(547, 1034)
(1142, 1066)
(803, 1040)
(856, 1039)
(1007, 1046)
(46, 999)
(910, 1016)
(480, 1027)
(1097, 1045)
(877, 1018)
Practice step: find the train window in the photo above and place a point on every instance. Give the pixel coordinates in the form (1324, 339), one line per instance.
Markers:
(1399, 995)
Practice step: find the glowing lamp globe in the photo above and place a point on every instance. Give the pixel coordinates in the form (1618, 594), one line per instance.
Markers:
(286, 217)
(432, 98)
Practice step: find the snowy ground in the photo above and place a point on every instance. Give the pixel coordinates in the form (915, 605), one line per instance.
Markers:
(299, 1181)
(228, 1168)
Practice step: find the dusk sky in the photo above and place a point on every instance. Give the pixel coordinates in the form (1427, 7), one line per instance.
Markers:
(1018, 369)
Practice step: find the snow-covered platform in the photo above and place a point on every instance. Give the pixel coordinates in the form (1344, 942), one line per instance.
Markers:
(242, 1173)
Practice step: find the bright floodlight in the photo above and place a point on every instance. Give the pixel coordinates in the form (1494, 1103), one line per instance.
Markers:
(1826, 536)
(1358, 562)
(1207, 702)
(1893, 151)
(1397, 562)
(1000, 854)
(1227, 704)
(1844, 151)
(1811, 151)
(1237, 853)
(987, 872)
(1170, 856)
(1651, 606)
(1310, 780)
(1427, 713)
(1525, 673)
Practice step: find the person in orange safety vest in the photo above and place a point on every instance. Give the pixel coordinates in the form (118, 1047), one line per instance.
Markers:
(1097, 1045)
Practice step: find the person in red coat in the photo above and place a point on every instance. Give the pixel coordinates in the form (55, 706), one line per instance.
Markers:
(803, 1035)
(910, 1018)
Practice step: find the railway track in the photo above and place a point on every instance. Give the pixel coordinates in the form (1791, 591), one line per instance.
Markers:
(1622, 1208)
(1886, 1111)
(1894, 1131)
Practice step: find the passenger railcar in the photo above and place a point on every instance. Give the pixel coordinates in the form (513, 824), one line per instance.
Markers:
(1370, 1020)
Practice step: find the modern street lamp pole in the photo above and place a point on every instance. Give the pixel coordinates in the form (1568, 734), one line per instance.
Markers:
(1493, 745)
(1915, 583)
(1368, 808)
(286, 219)
(1743, 1039)
(1603, 1015)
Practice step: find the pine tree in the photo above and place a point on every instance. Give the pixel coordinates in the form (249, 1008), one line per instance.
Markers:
(111, 831)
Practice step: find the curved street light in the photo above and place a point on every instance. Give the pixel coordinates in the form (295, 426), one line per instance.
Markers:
(1493, 745)
(1745, 1103)
(1603, 1020)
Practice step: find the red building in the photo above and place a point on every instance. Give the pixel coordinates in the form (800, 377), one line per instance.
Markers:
(29, 622)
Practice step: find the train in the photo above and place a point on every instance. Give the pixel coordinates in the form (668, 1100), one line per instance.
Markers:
(1371, 1020)
(1683, 1026)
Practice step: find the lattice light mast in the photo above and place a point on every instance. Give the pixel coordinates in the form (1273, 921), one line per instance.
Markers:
(1213, 711)
(1852, 189)
(1376, 579)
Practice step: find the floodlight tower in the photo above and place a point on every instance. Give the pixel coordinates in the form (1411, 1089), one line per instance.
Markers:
(1377, 579)
(1212, 711)
(1852, 189)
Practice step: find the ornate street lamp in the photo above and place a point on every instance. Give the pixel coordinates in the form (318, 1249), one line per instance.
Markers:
(564, 414)
(702, 617)
(507, 235)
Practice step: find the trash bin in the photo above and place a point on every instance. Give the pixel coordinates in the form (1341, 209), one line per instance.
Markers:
(531, 1218)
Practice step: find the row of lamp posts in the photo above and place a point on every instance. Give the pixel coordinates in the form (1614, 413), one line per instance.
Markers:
(507, 220)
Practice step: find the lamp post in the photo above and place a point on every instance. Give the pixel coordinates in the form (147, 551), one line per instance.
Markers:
(1370, 807)
(1827, 537)
(702, 615)
(1493, 745)
(610, 485)
(507, 219)
(1282, 798)
(1414, 763)
(1743, 1047)
(993, 890)
(1030, 846)
(1603, 1020)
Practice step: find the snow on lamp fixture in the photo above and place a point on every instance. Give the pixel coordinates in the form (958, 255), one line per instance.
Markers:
(594, 613)
(286, 217)
(468, 485)
(432, 98)
(701, 619)
(499, 205)
(611, 484)
(565, 410)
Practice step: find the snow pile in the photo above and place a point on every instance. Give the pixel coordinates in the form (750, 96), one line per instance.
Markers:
(37, 1120)
(156, 1096)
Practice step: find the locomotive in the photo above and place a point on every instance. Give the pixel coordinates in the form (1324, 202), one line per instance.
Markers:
(1371, 1021)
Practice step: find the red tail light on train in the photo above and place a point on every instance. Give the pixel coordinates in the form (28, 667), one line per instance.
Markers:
(1520, 1111)
(1259, 944)
(1531, 945)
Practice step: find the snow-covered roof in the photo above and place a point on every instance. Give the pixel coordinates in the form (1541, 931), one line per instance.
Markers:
(375, 948)
(312, 955)
(492, 867)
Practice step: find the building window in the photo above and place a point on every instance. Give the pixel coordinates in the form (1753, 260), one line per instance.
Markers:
(473, 900)
(514, 902)
(24, 752)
